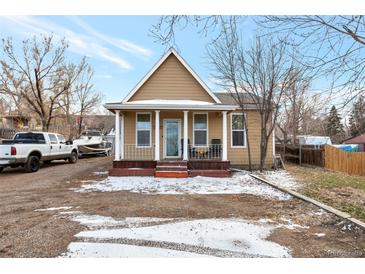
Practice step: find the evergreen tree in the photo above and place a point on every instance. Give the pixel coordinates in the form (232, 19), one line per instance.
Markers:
(357, 117)
(334, 127)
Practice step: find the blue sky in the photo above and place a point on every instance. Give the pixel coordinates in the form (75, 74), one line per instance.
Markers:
(119, 48)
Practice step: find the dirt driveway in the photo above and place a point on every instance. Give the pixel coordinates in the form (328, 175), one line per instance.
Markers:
(27, 230)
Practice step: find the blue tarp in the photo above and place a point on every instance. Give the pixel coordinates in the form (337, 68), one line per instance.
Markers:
(352, 148)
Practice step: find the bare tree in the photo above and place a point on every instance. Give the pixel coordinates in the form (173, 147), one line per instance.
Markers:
(223, 55)
(40, 74)
(264, 72)
(297, 103)
(164, 31)
(86, 99)
(334, 45)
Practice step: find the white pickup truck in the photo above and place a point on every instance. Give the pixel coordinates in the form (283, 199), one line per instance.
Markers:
(28, 149)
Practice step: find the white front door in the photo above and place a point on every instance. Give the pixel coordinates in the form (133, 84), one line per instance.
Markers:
(172, 138)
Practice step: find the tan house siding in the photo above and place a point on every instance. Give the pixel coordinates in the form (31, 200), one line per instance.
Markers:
(172, 81)
(237, 156)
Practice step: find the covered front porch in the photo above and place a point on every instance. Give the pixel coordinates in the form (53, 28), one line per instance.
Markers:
(171, 140)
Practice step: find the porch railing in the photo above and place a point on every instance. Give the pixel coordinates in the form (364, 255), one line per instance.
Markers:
(133, 152)
(210, 152)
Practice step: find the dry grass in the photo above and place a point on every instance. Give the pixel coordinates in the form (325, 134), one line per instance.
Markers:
(342, 191)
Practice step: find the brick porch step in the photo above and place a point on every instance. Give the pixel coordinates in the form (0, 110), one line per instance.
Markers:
(132, 172)
(210, 172)
(172, 174)
(172, 163)
(171, 168)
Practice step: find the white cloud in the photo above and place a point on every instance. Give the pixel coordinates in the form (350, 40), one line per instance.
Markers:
(116, 42)
(86, 45)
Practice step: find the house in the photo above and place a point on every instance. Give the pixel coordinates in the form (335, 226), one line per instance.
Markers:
(172, 125)
(15, 120)
(358, 140)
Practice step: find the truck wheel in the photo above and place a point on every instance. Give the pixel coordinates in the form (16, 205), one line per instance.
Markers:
(73, 158)
(1, 169)
(32, 164)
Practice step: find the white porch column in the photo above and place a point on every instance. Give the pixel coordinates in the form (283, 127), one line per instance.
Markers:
(117, 136)
(185, 152)
(224, 135)
(157, 135)
(121, 136)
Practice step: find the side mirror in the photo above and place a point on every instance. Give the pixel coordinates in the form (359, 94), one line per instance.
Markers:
(69, 142)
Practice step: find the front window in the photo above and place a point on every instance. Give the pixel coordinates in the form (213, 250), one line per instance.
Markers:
(200, 129)
(143, 129)
(52, 138)
(61, 138)
(238, 131)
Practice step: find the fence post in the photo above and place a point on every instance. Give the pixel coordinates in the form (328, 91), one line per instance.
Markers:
(300, 154)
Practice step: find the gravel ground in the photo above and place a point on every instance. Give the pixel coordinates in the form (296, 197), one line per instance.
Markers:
(27, 231)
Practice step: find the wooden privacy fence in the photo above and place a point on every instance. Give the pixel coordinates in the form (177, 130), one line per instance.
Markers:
(324, 156)
(302, 154)
(352, 163)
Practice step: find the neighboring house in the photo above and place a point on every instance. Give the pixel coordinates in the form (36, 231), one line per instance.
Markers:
(15, 121)
(358, 140)
(172, 115)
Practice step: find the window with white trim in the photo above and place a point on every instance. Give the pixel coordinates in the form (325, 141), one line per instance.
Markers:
(143, 128)
(200, 129)
(237, 130)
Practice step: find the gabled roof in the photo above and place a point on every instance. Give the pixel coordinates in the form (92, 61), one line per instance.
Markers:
(360, 139)
(228, 98)
(159, 63)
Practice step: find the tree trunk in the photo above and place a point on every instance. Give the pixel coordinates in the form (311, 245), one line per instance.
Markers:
(263, 148)
(80, 123)
(248, 142)
(44, 124)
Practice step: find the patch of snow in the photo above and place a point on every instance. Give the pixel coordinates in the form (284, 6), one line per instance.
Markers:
(320, 212)
(320, 234)
(239, 183)
(93, 221)
(54, 208)
(233, 235)
(108, 250)
(281, 178)
(290, 225)
(101, 172)
(347, 227)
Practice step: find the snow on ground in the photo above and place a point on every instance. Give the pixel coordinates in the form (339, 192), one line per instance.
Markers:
(320, 234)
(237, 184)
(93, 221)
(54, 208)
(281, 178)
(108, 250)
(101, 172)
(108, 237)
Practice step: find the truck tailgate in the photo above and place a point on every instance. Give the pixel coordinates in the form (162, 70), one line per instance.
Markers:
(5, 151)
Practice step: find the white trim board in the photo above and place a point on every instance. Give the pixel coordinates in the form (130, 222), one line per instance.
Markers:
(158, 64)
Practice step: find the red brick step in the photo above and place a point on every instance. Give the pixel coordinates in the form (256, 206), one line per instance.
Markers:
(172, 174)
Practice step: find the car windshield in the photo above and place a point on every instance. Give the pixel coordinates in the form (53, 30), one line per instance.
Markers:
(36, 137)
